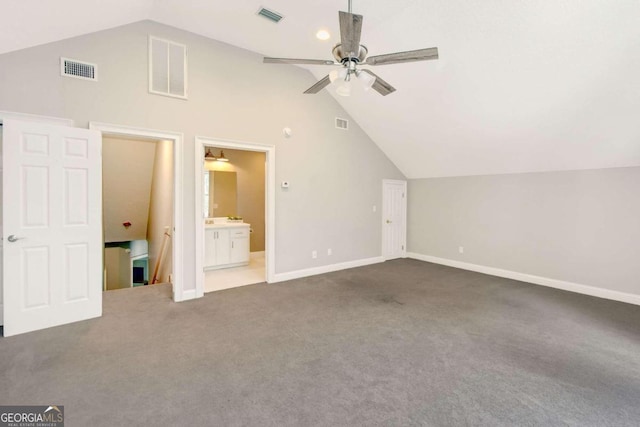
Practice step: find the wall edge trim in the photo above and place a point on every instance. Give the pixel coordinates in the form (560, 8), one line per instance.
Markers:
(297, 274)
(530, 278)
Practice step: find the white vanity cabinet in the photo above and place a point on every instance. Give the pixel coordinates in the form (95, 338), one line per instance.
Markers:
(226, 245)
(239, 245)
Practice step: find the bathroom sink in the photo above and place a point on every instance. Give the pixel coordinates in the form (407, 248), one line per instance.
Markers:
(222, 220)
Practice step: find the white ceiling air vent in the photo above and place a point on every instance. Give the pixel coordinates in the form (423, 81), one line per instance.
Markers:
(342, 123)
(78, 69)
(270, 15)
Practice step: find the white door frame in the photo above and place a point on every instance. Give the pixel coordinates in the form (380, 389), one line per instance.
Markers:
(270, 205)
(404, 214)
(179, 293)
(34, 118)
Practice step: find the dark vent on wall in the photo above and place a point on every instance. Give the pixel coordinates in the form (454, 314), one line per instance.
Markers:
(270, 15)
(78, 69)
(342, 123)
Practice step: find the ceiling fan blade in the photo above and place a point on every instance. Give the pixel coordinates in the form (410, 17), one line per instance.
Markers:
(350, 31)
(318, 86)
(382, 87)
(409, 56)
(297, 61)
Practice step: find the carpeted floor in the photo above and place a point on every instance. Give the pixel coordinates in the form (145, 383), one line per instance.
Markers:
(400, 343)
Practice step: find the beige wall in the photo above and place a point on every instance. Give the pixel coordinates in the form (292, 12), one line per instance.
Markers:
(232, 96)
(161, 211)
(127, 169)
(579, 226)
(224, 195)
(117, 263)
(250, 169)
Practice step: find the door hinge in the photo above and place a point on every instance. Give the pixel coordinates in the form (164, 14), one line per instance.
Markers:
(403, 247)
(403, 195)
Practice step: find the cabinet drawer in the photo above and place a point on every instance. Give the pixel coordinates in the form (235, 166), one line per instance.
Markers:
(239, 233)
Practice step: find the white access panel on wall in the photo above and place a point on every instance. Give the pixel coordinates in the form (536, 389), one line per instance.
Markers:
(52, 225)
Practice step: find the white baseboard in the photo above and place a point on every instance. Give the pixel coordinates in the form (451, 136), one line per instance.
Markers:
(537, 280)
(1, 313)
(281, 277)
(188, 295)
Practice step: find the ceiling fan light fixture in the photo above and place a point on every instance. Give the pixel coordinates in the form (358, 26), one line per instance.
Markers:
(350, 53)
(344, 89)
(366, 79)
(340, 74)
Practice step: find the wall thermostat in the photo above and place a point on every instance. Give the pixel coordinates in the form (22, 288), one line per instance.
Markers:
(285, 184)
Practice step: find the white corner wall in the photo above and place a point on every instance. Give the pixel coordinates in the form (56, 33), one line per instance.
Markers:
(161, 211)
(232, 96)
(575, 230)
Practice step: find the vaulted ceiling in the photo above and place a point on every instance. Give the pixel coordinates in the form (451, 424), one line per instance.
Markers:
(519, 87)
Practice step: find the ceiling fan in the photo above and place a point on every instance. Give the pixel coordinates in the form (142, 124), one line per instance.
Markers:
(349, 53)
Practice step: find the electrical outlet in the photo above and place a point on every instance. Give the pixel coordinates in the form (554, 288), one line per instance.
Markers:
(314, 254)
(461, 249)
(329, 252)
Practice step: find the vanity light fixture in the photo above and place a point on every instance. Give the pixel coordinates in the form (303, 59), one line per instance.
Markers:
(208, 156)
(221, 157)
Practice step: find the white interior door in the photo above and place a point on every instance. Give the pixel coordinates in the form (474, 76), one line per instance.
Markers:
(52, 224)
(394, 219)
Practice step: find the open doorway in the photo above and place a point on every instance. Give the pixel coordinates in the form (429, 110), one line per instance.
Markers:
(137, 181)
(75, 169)
(149, 248)
(233, 201)
(235, 214)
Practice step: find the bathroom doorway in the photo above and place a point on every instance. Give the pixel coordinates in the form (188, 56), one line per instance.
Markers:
(233, 201)
(234, 209)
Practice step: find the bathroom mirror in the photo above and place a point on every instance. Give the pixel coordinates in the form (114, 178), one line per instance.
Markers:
(220, 194)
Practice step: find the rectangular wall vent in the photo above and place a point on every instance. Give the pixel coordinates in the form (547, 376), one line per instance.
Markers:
(270, 15)
(167, 68)
(78, 69)
(342, 123)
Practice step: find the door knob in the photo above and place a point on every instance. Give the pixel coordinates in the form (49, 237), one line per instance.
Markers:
(388, 222)
(12, 238)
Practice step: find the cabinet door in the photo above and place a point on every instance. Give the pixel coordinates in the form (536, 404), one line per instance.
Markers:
(209, 248)
(223, 245)
(239, 249)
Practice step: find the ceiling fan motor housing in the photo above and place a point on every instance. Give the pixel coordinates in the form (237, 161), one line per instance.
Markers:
(342, 56)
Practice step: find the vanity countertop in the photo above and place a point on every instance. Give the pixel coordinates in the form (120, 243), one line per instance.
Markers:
(228, 225)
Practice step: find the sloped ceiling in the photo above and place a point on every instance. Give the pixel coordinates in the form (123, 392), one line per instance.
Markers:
(519, 87)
